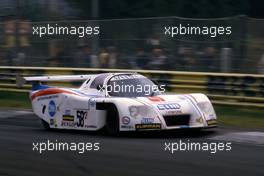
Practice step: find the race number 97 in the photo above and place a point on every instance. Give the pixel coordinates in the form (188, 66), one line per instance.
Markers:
(81, 115)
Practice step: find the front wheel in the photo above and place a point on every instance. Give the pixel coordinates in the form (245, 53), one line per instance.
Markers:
(112, 121)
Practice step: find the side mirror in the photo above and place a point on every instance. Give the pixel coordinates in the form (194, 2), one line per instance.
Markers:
(155, 82)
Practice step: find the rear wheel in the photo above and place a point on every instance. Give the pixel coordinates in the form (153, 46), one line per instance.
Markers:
(45, 124)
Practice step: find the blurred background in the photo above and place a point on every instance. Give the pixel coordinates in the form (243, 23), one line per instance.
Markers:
(132, 35)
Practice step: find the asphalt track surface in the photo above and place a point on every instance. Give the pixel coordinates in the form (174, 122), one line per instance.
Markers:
(129, 154)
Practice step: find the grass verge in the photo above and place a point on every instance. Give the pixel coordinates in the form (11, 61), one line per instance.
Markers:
(14, 100)
(245, 117)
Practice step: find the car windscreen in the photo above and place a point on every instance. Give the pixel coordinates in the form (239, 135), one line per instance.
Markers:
(133, 85)
(98, 81)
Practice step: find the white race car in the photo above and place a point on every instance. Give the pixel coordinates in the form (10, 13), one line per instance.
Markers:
(117, 102)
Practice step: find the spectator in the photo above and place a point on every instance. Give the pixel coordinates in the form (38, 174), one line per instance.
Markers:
(83, 57)
(19, 59)
(104, 58)
(11, 55)
(60, 57)
(210, 59)
(261, 65)
(4, 60)
(141, 59)
(186, 58)
(170, 62)
(112, 57)
(94, 59)
(158, 59)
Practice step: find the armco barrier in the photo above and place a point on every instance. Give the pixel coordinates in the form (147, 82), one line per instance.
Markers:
(221, 88)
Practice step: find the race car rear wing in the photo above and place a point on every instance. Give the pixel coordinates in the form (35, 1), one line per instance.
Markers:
(20, 81)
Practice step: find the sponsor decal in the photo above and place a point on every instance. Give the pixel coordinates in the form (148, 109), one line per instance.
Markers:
(212, 116)
(124, 77)
(127, 126)
(90, 126)
(52, 108)
(68, 118)
(125, 120)
(67, 112)
(148, 126)
(174, 112)
(134, 111)
(55, 123)
(47, 97)
(169, 106)
(52, 122)
(199, 120)
(68, 123)
(147, 120)
(50, 91)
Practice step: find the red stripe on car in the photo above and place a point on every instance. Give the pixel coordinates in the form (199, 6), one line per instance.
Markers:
(50, 91)
(157, 99)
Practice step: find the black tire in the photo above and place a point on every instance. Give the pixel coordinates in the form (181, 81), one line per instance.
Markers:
(112, 121)
(112, 118)
(45, 124)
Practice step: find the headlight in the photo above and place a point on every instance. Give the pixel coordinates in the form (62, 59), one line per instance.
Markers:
(141, 111)
(207, 108)
(134, 111)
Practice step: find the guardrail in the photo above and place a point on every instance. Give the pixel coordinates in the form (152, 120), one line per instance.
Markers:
(221, 88)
